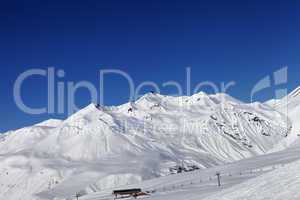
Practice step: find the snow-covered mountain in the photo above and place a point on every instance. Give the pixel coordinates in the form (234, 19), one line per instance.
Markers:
(101, 147)
(290, 107)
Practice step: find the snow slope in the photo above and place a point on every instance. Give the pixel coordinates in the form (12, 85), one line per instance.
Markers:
(103, 147)
(25, 138)
(290, 107)
(250, 179)
(279, 184)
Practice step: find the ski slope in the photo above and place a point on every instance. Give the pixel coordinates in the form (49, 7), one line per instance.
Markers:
(239, 179)
(279, 184)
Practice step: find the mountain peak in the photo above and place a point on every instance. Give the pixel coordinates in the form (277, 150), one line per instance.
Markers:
(85, 111)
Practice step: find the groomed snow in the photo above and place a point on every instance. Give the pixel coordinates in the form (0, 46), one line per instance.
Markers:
(280, 184)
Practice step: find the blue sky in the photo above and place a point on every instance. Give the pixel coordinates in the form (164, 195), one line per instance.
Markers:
(221, 41)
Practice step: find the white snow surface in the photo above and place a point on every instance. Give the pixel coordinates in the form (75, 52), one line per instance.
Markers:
(265, 177)
(279, 184)
(100, 148)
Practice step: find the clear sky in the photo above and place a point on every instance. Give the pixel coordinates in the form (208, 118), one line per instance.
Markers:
(221, 40)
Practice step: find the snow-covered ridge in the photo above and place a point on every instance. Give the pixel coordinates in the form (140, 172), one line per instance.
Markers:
(100, 147)
(50, 123)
